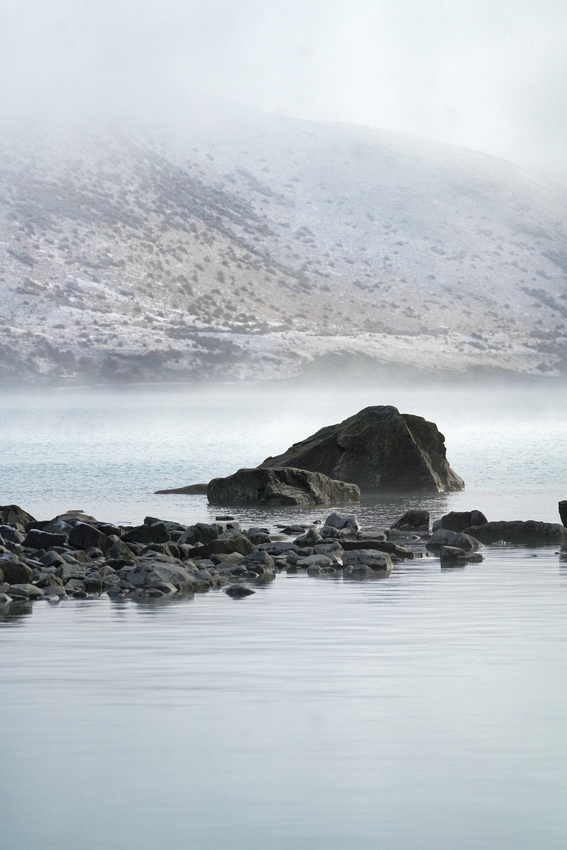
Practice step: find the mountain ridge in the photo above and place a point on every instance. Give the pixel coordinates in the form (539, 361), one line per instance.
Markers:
(256, 247)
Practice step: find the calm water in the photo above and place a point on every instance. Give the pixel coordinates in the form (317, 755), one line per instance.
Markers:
(426, 710)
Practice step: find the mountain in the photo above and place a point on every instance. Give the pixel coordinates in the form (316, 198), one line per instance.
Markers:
(263, 247)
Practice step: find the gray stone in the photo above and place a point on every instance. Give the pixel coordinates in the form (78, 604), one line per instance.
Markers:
(278, 487)
(15, 572)
(35, 539)
(11, 535)
(380, 450)
(238, 591)
(15, 516)
(189, 490)
(342, 521)
(369, 557)
(147, 534)
(147, 573)
(30, 591)
(86, 537)
(199, 533)
(445, 537)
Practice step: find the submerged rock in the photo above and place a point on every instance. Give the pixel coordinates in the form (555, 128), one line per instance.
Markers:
(190, 490)
(280, 486)
(380, 450)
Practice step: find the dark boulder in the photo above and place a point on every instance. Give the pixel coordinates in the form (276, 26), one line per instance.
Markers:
(147, 534)
(201, 532)
(416, 520)
(287, 486)
(15, 516)
(35, 539)
(459, 520)
(10, 534)
(16, 572)
(528, 532)
(380, 450)
(85, 536)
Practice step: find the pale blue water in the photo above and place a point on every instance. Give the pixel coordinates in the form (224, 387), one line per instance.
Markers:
(422, 711)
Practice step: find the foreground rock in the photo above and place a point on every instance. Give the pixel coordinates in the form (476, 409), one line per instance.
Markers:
(280, 486)
(79, 556)
(380, 450)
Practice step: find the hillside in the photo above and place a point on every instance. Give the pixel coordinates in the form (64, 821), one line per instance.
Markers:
(264, 247)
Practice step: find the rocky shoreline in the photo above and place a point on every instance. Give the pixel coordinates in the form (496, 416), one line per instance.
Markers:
(74, 555)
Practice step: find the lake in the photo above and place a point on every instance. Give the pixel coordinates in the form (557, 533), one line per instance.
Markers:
(420, 711)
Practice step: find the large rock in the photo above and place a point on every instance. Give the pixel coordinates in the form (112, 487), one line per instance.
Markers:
(278, 486)
(380, 450)
(15, 516)
(529, 532)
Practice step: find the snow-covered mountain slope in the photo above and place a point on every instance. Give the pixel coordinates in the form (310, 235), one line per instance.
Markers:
(257, 245)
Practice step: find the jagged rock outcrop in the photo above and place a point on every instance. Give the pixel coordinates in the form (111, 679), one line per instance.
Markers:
(380, 450)
(280, 486)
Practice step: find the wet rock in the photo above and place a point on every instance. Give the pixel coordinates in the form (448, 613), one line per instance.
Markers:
(380, 450)
(378, 545)
(189, 490)
(528, 532)
(460, 520)
(342, 521)
(444, 537)
(310, 538)
(417, 520)
(277, 487)
(27, 590)
(147, 573)
(376, 561)
(77, 588)
(238, 591)
(228, 543)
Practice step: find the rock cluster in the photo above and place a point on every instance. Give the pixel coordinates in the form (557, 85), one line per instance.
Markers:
(76, 555)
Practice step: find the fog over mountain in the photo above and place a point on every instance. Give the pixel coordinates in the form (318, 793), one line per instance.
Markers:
(258, 246)
(218, 190)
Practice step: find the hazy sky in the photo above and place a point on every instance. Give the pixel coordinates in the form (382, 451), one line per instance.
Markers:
(487, 74)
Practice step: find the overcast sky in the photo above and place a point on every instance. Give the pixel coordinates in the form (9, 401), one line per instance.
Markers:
(486, 74)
